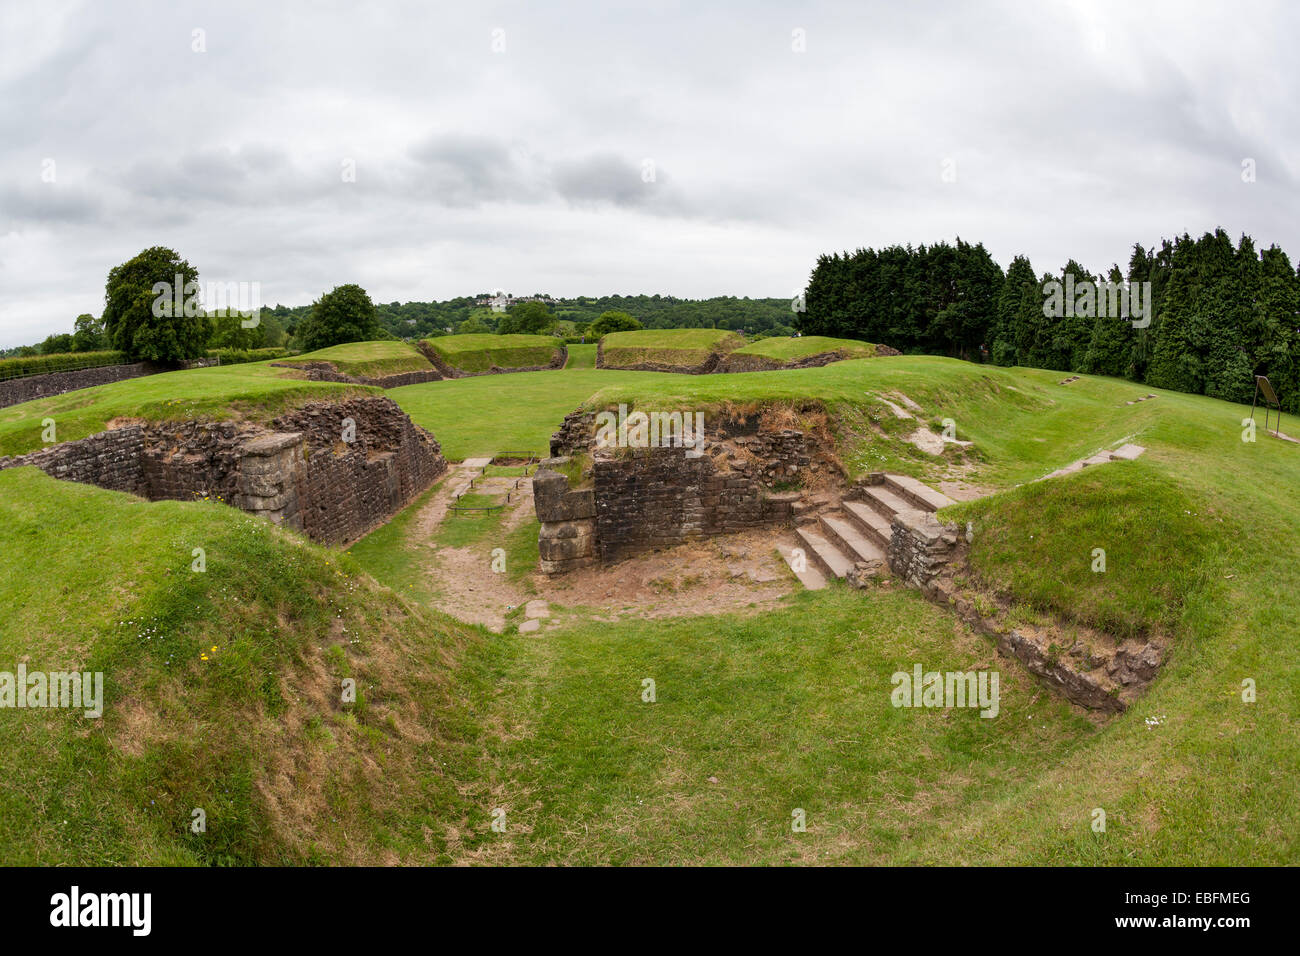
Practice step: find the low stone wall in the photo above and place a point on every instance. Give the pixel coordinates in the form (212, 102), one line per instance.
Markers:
(651, 498)
(346, 489)
(920, 547)
(762, 363)
(15, 391)
(301, 472)
(327, 372)
(641, 499)
(112, 460)
(567, 539)
(720, 363)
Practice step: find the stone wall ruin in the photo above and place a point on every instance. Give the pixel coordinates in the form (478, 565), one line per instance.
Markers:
(744, 473)
(298, 471)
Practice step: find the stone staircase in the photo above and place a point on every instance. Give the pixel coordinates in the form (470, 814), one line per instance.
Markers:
(836, 537)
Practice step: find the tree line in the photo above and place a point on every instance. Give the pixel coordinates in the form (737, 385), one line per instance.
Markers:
(1220, 313)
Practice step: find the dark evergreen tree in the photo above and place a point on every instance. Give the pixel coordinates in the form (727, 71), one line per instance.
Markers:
(1111, 346)
(1006, 332)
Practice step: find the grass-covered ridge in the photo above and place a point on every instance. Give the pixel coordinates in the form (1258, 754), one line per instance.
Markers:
(787, 349)
(368, 359)
(257, 391)
(1161, 545)
(480, 353)
(223, 691)
(671, 348)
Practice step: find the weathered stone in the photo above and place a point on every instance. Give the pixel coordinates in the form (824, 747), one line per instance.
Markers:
(294, 476)
(919, 546)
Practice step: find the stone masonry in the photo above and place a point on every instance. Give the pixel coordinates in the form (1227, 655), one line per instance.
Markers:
(920, 547)
(639, 499)
(300, 472)
(567, 539)
(28, 388)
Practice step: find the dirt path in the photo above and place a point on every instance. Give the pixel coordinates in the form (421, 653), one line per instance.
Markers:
(738, 573)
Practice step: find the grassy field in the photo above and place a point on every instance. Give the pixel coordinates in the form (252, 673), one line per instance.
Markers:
(256, 390)
(787, 349)
(789, 710)
(672, 347)
(495, 413)
(479, 353)
(581, 356)
(370, 359)
(756, 716)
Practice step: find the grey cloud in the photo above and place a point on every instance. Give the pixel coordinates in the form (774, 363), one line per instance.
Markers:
(522, 169)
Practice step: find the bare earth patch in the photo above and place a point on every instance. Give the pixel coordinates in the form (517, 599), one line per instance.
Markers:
(711, 576)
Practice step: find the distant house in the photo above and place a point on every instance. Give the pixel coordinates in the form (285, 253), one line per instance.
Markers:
(503, 301)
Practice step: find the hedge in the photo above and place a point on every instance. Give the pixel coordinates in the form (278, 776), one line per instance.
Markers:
(62, 362)
(239, 356)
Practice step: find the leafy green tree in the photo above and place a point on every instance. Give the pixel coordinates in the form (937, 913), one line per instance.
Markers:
(474, 325)
(612, 321)
(88, 334)
(228, 331)
(57, 344)
(147, 316)
(526, 318)
(1175, 359)
(344, 314)
(1279, 338)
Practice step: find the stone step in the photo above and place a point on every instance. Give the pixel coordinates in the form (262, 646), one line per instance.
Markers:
(811, 576)
(849, 540)
(821, 552)
(875, 526)
(920, 495)
(886, 502)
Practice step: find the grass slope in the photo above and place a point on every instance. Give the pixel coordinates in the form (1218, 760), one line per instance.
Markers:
(488, 414)
(479, 353)
(787, 710)
(255, 390)
(684, 348)
(223, 691)
(788, 349)
(370, 359)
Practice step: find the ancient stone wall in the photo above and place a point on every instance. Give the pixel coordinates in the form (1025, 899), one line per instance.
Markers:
(920, 547)
(650, 498)
(112, 459)
(18, 390)
(763, 363)
(567, 539)
(348, 488)
(736, 478)
(331, 470)
(327, 372)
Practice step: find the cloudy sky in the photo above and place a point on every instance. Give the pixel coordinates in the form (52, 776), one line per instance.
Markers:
(428, 150)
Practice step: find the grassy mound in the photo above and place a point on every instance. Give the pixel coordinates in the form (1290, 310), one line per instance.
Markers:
(667, 349)
(480, 353)
(256, 391)
(368, 359)
(1037, 544)
(789, 349)
(222, 691)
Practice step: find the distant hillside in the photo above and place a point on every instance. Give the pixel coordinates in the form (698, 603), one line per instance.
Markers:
(416, 320)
